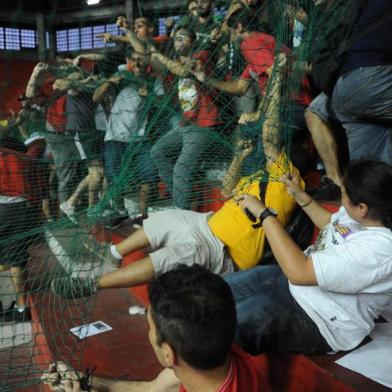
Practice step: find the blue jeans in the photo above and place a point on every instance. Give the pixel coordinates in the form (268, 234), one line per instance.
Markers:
(362, 100)
(178, 156)
(114, 153)
(269, 318)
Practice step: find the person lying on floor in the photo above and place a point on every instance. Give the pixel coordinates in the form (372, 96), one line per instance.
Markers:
(223, 242)
(190, 306)
(327, 297)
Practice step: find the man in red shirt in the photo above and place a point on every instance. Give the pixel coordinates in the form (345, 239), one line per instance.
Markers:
(258, 50)
(192, 323)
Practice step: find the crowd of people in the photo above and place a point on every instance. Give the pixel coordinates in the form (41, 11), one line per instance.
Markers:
(155, 109)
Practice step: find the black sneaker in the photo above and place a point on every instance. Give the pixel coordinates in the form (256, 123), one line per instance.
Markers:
(327, 191)
(14, 315)
(73, 288)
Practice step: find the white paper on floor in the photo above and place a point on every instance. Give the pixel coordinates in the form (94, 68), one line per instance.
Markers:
(12, 335)
(133, 310)
(91, 329)
(374, 359)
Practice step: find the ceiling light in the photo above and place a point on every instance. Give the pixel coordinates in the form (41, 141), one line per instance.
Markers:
(92, 2)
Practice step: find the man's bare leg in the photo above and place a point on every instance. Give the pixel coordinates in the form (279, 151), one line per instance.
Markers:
(325, 144)
(137, 240)
(135, 274)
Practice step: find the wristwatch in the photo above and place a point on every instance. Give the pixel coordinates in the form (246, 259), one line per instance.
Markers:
(267, 212)
(263, 215)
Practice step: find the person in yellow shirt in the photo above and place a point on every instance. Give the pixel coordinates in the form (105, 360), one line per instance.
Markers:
(222, 242)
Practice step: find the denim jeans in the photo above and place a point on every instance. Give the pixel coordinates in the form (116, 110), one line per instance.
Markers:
(362, 100)
(114, 152)
(70, 166)
(269, 318)
(178, 156)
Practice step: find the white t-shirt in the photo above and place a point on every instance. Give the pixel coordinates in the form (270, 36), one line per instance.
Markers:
(353, 266)
(124, 120)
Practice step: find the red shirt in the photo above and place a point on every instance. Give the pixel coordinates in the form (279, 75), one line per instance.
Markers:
(259, 52)
(20, 175)
(56, 112)
(242, 376)
(196, 101)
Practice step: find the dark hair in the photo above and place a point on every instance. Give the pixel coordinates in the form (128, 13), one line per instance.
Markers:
(370, 182)
(194, 312)
(150, 19)
(247, 18)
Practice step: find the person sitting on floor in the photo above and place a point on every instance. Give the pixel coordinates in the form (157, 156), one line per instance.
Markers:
(192, 321)
(327, 297)
(222, 242)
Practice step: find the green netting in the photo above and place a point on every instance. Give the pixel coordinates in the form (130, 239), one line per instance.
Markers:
(74, 165)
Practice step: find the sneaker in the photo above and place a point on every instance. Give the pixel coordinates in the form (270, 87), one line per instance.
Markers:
(69, 211)
(73, 288)
(14, 315)
(116, 222)
(327, 191)
(102, 252)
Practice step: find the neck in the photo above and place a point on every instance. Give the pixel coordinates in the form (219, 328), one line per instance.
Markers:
(368, 222)
(196, 380)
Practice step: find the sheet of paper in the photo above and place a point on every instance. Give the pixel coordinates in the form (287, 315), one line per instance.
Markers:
(91, 329)
(374, 359)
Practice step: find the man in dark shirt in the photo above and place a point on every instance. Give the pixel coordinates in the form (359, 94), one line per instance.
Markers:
(362, 97)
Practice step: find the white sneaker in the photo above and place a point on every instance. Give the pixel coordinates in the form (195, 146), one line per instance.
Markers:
(69, 211)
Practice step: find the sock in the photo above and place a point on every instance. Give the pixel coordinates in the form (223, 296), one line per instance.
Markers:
(115, 252)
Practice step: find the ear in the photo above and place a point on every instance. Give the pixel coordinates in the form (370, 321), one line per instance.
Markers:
(169, 355)
(239, 28)
(151, 29)
(363, 209)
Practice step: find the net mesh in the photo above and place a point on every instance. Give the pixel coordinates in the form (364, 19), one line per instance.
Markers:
(110, 134)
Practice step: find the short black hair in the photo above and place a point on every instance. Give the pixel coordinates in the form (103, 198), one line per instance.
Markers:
(247, 18)
(194, 312)
(150, 19)
(370, 182)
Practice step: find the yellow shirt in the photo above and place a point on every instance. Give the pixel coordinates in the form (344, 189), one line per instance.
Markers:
(233, 227)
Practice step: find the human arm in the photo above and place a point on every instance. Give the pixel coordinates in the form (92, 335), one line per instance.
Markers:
(101, 90)
(36, 80)
(319, 215)
(175, 67)
(62, 378)
(88, 56)
(297, 267)
(107, 38)
(234, 87)
(244, 148)
(68, 82)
